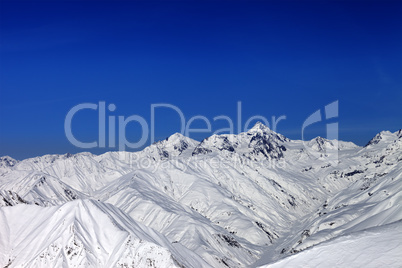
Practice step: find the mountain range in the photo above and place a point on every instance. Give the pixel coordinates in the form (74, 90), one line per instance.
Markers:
(247, 200)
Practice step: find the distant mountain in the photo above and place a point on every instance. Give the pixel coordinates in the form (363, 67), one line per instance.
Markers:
(227, 201)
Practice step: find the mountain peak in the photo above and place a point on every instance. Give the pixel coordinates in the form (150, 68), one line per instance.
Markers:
(7, 161)
(259, 127)
(176, 136)
(179, 139)
(173, 145)
(321, 140)
(380, 136)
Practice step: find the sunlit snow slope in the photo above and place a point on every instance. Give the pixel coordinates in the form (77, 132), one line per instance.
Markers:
(376, 247)
(83, 233)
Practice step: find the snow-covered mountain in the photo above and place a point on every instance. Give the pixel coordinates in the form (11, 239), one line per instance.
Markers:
(84, 233)
(227, 201)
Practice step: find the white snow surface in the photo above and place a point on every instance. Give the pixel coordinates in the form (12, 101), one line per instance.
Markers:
(229, 200)
(83, 233)
(375, 247)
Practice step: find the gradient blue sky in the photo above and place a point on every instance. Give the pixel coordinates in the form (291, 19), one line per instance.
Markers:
(277, 58)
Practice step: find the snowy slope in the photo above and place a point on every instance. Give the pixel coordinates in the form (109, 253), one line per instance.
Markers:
(83, 233)
(371, 248)
(372, 198)
(233, 200)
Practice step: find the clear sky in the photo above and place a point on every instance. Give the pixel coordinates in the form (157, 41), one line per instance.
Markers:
(277, 58)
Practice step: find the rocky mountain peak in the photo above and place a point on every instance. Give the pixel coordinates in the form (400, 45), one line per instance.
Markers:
(7, 161)
(380, 136)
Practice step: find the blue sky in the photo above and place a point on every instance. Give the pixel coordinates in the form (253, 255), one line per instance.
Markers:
(277, 58)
